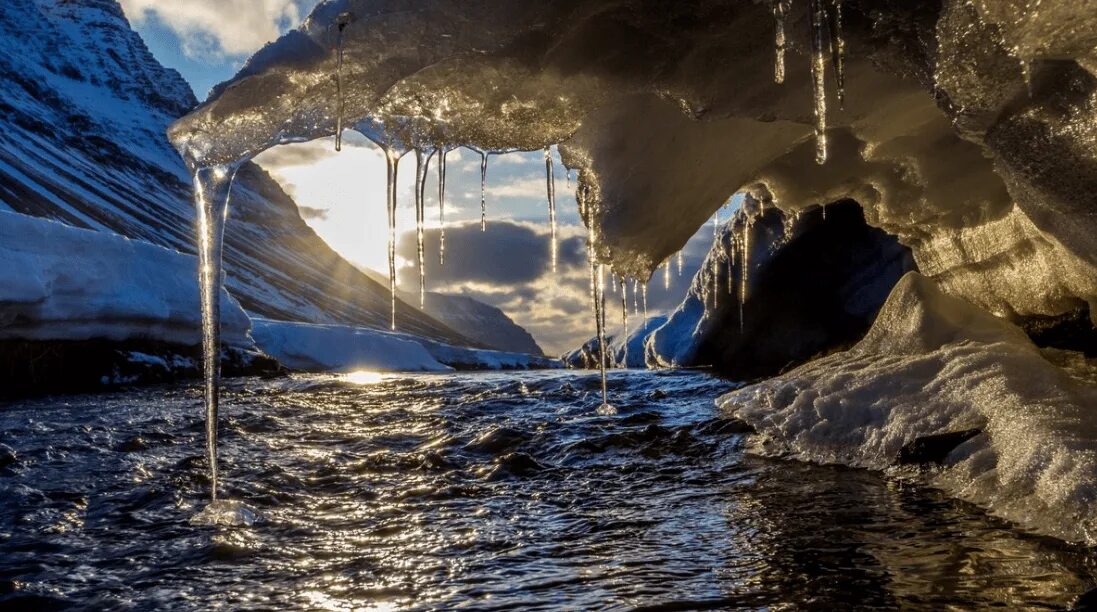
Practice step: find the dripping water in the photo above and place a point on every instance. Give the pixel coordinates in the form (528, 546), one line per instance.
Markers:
(635, 297)
(212, 187)
(666, 275)
(818, 78)
(681, 262)
(421, 161)
(780, 15)
(644, 300)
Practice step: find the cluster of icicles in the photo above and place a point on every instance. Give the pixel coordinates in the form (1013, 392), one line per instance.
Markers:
(212, 186)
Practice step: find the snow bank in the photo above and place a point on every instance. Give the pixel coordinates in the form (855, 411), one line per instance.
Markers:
(62, 283)
(341, 348)
(933, 364)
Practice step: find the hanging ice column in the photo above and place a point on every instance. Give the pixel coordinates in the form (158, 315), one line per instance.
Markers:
(550, 189)
(211, 198)
(442, 152)
(392, 165)
(421, 161)
(818, 77)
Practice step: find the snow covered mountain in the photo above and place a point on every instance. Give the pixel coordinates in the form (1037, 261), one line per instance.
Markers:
(84, 107)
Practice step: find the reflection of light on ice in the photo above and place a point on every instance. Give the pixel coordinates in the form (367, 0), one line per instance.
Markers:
(363, 377)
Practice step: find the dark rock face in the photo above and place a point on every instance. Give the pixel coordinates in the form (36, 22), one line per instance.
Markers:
(811, 289)
(933, 449)
(29, 368)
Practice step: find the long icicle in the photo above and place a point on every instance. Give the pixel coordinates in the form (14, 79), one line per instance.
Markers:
(550, 192)
(681, 262)
(818, 77)
(838, 50)
(341, 23)
(624, 318)
(392, 164)
(212, 187)
(644, 296)
(421, 161)
(442, 204)
(483, 191)
(744, 272)
(780, 15)
(603, 357)
(666, 275)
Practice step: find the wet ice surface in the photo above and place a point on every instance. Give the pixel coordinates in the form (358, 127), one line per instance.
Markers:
(482, 490)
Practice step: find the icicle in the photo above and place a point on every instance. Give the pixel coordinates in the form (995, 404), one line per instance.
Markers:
(644, 295)
(624, 319)
(392, 163)
(341, 22)
(568, 175)
(550, 189)
(483, 191)
(605, 408)
(780, 15)
(442, 152)
(681, 262)
(420, 220)
(211, 200)
(838, 50)
(818, 78)
(635, 297)
(666, 275)
(744, 271)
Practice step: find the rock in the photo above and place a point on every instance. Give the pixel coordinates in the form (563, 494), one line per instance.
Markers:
(1086, 602)
(933, 449)
(815, 284)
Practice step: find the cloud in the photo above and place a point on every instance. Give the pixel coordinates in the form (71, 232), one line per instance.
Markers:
(214, 28)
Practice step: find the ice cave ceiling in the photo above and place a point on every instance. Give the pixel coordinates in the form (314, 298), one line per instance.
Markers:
(968, 128)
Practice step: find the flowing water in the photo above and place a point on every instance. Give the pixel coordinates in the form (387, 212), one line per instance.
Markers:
(477, 490)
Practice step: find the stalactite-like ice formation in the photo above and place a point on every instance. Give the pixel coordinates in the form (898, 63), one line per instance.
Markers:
(818, 77)
(340, 101)
(550, 193)
(212, 187)
(421, 161)
(780, 15)
(442, 152)
(392, 166)
(484, 191)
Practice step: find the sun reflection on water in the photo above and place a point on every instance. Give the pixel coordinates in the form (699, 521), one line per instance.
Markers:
(363, 377)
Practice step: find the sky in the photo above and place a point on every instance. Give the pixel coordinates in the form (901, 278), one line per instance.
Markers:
(342, 195)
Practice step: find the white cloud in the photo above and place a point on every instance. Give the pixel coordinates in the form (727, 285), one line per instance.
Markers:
(221, 27)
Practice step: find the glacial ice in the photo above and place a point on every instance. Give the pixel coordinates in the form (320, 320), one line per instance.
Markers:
(932, 364)
(101, 286)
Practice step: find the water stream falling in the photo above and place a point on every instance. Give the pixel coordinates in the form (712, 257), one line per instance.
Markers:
(421, 161)
(212, 187)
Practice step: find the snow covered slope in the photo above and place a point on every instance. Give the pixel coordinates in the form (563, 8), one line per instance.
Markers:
(341, 348)
(935, 364)
(100, 286)
(484, 322)
(83, 112)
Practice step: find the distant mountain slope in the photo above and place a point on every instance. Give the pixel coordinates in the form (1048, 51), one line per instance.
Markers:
(481, 321)
(83, 111)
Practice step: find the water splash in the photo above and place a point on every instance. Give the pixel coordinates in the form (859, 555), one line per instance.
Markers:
(550, 192)
(212, 187)
(421, 161)
(392, 167)
(341, 23)
(442, 152)
(780, 16)
(818, 77)
(483, 191)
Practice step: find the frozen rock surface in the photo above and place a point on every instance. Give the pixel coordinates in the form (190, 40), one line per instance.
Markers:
(340, 348)
(966, 128)
(814, 283)
(934, 364)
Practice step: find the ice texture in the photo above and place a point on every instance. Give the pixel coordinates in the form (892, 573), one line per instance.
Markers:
(933, 364)
(963, 124)
(65, 283)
